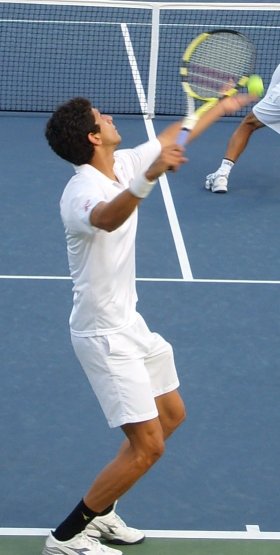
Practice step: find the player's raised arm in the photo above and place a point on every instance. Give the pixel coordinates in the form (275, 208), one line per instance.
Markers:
(227, 105)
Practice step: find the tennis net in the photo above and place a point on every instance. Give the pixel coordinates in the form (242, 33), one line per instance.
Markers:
(123, 56)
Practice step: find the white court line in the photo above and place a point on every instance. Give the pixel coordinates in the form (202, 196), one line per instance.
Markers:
(167, 280)
(37, 277)
(167, 197)
(134, 69)
(252, 533)
(254, 528)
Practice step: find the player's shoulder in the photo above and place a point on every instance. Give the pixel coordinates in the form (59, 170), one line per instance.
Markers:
(78, 183)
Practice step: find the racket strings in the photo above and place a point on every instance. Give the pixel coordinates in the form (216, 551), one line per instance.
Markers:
(218, 63)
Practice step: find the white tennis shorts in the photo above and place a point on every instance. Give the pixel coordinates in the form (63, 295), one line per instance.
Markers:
(267, 110)
(127, 370)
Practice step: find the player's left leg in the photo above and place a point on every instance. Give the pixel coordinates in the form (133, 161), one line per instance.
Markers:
(142, 448)
(171, 414)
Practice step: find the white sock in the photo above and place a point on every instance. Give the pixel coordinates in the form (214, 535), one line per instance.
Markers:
(226, 166)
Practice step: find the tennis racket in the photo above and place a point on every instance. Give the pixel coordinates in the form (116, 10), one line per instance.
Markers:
(215, 64)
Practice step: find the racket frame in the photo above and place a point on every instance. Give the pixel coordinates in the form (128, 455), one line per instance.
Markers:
(193, 115)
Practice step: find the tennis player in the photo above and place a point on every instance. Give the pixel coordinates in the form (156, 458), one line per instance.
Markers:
(265, 113)
(130, 368)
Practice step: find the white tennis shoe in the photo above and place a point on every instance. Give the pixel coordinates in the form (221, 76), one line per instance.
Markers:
(80, 544)
(217, 182)
(114, 530)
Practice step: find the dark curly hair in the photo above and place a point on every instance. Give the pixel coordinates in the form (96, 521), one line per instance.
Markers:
(68, 128)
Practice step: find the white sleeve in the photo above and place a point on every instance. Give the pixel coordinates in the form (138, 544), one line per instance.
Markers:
(75, 214)
(141, 157)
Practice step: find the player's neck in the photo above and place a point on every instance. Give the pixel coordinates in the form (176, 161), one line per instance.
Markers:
(104, 162)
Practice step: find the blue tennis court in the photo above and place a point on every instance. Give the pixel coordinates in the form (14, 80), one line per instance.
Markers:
(208, 281)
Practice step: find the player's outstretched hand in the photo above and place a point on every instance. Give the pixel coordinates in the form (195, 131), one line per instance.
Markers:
(171, 156)
(234, 103)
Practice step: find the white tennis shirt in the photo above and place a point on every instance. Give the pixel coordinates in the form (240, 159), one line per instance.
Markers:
(267, 110)
(102, 263)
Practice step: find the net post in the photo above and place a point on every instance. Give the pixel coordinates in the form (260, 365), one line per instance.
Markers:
(151, 97)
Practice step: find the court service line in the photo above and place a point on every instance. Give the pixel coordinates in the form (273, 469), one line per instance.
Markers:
(156, 280)
(167, 197)
(205, 280)
(251, 533)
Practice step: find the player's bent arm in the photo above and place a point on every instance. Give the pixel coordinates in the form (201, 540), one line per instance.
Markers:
(111, 215)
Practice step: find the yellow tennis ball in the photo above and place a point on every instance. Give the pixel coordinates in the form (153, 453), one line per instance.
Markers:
(255, 85)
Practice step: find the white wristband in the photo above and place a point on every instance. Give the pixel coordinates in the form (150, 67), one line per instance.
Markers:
(140, 187)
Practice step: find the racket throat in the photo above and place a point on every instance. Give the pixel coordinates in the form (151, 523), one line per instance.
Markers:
(189, 122)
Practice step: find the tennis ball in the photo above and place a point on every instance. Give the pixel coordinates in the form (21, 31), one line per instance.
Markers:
(255, 85)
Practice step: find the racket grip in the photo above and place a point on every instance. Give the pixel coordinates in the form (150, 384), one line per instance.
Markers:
(182, 137)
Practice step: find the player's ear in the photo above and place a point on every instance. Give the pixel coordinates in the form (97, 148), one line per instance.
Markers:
(95, 138)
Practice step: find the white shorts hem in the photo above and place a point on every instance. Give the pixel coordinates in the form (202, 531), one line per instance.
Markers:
(168, 389)
(133, 419)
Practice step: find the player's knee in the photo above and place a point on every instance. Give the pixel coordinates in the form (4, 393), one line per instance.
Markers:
(251, 122)
(150, 454)
(155, 450)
